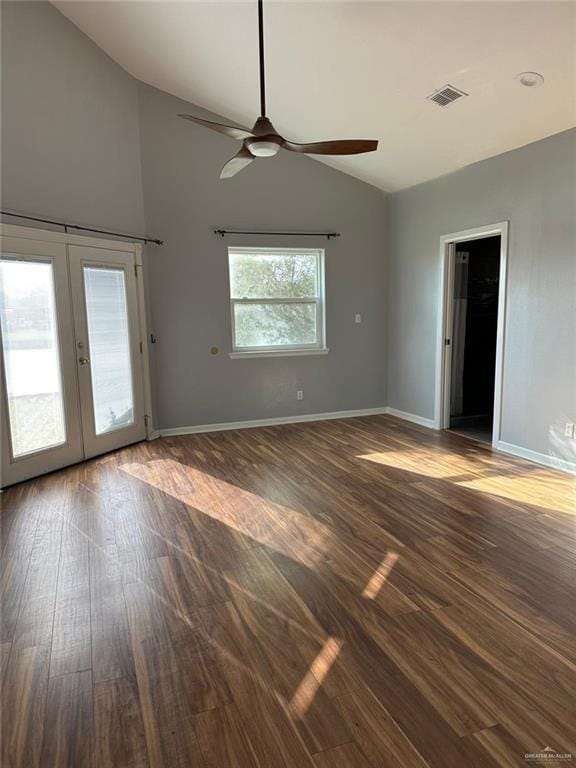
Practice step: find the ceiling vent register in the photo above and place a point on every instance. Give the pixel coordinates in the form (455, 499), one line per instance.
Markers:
(446, 95)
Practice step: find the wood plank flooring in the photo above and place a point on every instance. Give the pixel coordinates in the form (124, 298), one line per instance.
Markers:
(360, 593)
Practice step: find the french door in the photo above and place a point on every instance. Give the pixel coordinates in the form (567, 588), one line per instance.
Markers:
(72, 372)
(105, 310)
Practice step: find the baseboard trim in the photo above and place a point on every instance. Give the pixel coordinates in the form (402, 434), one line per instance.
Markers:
(421, 420)
(514, 450)
(538, 458)
(297, 419)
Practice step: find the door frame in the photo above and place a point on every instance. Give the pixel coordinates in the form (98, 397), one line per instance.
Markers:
(66, 238)
(445, 314)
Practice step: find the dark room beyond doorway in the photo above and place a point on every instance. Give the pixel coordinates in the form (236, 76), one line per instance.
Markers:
(476, 282)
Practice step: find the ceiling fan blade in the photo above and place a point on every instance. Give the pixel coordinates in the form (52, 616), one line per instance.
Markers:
(228, 130)
(237, 163)
(338, 147)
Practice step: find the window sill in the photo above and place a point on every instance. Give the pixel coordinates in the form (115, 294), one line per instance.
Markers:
(281, 353)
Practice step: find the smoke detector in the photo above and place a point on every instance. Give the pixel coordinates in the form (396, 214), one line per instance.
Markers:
(446, 95)
(530, 79)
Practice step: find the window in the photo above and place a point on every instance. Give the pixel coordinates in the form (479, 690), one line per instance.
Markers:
(277, 300)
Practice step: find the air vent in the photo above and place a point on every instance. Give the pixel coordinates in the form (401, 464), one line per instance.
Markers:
(446, 95)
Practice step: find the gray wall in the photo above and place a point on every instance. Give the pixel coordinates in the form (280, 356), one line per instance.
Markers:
(70, 146)
(71, 150)
(82, 139)
(188, 279)
(532, 187)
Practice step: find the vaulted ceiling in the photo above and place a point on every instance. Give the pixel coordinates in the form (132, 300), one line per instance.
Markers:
(360, 70)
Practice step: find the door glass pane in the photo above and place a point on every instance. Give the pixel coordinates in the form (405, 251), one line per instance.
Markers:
(109, 342)
(31, 356)
(269, 325)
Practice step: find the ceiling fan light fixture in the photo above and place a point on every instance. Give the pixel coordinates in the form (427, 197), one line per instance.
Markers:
(263, 148)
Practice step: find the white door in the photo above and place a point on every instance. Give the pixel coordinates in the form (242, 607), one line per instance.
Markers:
(40, 412)
(105, 302)
(72, 377)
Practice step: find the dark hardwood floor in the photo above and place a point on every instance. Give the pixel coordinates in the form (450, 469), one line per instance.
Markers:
(348, 594)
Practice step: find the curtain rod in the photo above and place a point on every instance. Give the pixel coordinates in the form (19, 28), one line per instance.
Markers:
(66, 226)
(224, 232)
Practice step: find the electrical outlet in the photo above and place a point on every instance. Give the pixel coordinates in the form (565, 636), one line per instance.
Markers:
(357, 318)
(300, 394)
(569, 430)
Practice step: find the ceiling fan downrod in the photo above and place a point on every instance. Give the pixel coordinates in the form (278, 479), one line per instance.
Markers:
(261, 53)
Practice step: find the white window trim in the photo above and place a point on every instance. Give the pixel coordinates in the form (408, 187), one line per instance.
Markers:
(295, 352)
(285, 350)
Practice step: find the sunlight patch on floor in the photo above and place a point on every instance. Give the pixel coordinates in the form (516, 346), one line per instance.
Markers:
(537, 489)
(314, 677)
(427, 463)
(269, 523)
(372, 589)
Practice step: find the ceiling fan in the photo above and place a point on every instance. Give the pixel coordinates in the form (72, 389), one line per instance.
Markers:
(264, 141)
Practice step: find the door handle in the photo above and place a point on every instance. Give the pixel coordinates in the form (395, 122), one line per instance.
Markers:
(83, 360)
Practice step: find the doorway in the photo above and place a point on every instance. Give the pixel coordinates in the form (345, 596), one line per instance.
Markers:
(73, 374)
(472, 332)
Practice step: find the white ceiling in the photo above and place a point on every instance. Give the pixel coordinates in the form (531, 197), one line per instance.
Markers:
(359, 70)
